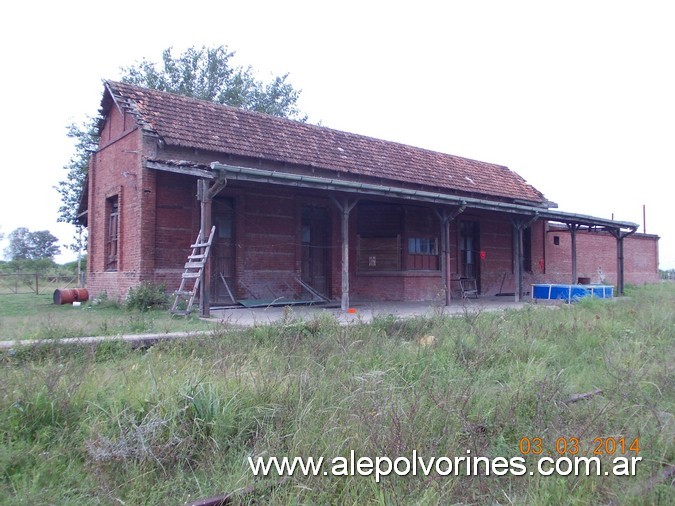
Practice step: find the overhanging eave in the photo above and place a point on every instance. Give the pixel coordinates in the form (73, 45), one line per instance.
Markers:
(237, 173)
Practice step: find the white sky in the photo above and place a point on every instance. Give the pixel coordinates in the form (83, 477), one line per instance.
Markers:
(578, 97)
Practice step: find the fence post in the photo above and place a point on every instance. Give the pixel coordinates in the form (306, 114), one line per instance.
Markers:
(37, 291)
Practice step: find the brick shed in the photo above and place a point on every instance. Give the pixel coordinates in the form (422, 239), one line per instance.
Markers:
(300, 206)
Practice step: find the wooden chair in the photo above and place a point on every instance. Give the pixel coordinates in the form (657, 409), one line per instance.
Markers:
(469, 287)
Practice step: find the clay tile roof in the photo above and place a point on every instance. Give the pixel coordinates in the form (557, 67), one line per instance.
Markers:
(192, 123)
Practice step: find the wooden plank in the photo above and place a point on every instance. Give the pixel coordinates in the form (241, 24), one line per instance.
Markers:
(311, 290)
(345, 207)
(227, 287)
(192, 171)
(379, 253)
(253, 303)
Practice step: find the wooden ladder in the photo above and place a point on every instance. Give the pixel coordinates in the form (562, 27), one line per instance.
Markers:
(191, 278)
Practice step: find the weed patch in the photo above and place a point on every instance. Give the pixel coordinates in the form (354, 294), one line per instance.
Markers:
(178, 421)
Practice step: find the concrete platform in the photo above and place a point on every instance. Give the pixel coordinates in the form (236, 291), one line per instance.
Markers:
(365, 311)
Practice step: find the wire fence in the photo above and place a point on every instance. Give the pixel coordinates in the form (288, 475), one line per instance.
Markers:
(16, 283)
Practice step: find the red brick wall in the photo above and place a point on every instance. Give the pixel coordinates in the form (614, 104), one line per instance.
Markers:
(159, 218)
(496, 240)
(115, 171)
(641, 259)
(407, 284)
(266, 241)
(596, 257)
(176, 226)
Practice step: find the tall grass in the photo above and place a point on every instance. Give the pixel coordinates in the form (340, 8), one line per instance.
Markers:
(175, 422)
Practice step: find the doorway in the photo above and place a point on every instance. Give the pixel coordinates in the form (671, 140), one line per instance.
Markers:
(315, 247)
(469, 243)
(223, 284)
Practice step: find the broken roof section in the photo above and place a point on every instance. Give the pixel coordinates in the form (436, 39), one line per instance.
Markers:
(191, 123)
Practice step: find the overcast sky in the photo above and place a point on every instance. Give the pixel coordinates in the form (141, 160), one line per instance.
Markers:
(578, 97)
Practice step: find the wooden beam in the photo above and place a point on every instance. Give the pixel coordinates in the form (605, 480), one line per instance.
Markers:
(206, 191)
(180, 169)
(445, 264)
(345, 208)
(518, 259)
(620, 236)
(445, 217)
(619, 265)
(573, 227)
(205, 224)
(520, 224)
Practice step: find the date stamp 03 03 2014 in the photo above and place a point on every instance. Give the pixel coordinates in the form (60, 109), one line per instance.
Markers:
(599, 446)
(593, 451)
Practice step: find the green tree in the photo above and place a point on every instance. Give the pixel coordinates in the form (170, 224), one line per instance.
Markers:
(208, 74)
(205, 73)
(86, 138)
(27, 245)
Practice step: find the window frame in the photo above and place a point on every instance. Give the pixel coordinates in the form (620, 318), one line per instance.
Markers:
(112, 239)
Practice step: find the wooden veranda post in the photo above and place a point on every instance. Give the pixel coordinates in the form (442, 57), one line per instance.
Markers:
(206, 191)
(445, 217)
(518, 259)
(619, 235)
(619, 264)
(573, 227)
(445, 264)
(519, 225)
(204, 225)
(345, 208)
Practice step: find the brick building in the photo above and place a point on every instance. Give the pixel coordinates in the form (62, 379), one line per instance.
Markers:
(302, 205)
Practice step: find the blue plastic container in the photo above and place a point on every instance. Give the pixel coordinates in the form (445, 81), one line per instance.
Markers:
(570, 293)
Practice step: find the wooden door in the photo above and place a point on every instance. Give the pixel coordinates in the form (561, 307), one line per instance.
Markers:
(315, 246)
(223, 252)
(469, 241)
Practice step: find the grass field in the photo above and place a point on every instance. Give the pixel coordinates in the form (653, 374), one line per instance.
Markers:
(177, 422)
(30, 316)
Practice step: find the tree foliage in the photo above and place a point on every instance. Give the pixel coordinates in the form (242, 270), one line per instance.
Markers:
(27, 245)
(208, 74)
(205, 73)
(86, 138)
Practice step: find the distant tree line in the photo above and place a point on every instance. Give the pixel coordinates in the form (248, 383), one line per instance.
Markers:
(27, 245)
(667, 274)
(33, 252)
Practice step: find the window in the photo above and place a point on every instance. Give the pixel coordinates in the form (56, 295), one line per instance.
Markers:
(422, 246)
(423, 253)
(379, 228)
(112, 238)
(392, 237)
